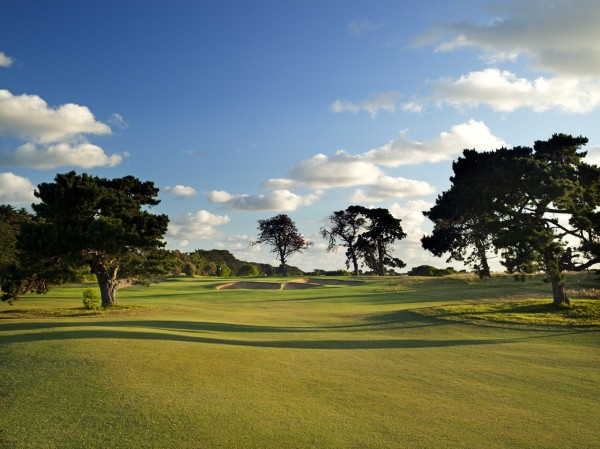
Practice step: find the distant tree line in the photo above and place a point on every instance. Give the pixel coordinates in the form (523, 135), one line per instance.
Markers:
(218, 262)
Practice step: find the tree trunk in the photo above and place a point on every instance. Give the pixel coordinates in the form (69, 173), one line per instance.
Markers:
(108, 291)
(282, 270)
(282, 260)
(555, 276)
(559, 294)
(354, 259)
(484, 267)
(380, 259)
(107, 281)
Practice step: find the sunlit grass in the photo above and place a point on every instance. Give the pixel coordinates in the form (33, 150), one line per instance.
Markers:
(582, 313)
(184, 365)
(61, 312)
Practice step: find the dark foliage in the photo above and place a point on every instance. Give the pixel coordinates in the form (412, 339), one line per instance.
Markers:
(538, 207)
(87, 220)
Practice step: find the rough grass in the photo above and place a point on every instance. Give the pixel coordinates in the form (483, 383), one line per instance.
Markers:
(183, 365)
(582, 313)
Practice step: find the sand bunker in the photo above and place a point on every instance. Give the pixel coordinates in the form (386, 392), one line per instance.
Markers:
(251, 285)
(292, 284)
(298, 285)
(325, 281)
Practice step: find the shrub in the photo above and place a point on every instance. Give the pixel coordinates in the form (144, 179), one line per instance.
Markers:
(428, 270)
(90, 300)
(223, 270)
(423, 270)
(338, 273)
(189, 269)
(248, 270)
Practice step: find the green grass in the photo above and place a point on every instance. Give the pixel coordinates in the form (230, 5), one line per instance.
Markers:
(394, 363)
(581, 313)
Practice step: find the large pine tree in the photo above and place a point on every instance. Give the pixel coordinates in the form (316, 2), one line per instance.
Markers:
(539, 207)
(87, 220)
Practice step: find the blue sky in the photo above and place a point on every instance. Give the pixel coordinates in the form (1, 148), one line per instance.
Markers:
(242, 110)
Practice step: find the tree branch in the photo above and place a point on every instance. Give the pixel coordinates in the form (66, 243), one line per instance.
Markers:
(587, 265)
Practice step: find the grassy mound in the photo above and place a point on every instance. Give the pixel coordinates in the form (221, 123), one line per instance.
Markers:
(534, 312)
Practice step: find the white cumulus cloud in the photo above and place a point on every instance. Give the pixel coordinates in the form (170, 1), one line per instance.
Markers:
(54, 137)
(346, 170)
(15, 189)
(84, 155)
(505, 92)
(201, 225)
(219, 196)
(277, 200)
(180, 191)
(388, 187)
(279, 184)
(560, 39)
(30, 118)
(413, 220)
(339, 170)
(404, 151)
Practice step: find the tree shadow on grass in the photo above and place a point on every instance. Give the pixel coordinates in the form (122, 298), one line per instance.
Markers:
(159, 325)
(77, 334)
(378, 322)
(385, 298)
(183, 331)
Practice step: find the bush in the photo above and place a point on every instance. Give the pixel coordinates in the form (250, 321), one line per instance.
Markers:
(428, 270)
(423, 270)
(223, 270)
(248, 270)
(90, 300)
(189, 270)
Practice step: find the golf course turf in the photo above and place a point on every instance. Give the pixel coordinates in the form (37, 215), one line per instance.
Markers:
(450, 362)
